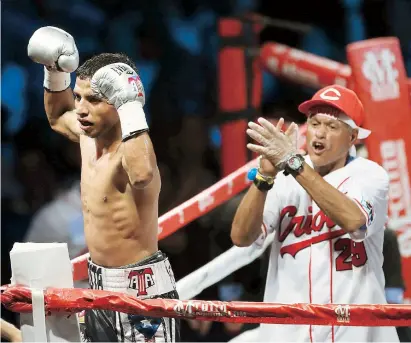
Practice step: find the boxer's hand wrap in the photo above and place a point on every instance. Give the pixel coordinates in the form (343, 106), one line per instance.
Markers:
(57, 51)
(122, 87)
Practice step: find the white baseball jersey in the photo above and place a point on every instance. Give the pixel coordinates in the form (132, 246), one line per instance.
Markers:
(312, 260)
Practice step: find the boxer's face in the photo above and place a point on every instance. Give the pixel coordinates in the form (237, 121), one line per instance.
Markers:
(94, 115)
(328, 139)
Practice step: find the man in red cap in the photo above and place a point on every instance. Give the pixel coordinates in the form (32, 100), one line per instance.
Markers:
(327, 211)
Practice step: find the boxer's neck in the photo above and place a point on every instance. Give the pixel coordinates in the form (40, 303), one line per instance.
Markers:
(109, 141)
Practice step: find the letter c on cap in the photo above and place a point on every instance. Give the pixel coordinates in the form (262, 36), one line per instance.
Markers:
(334, 91)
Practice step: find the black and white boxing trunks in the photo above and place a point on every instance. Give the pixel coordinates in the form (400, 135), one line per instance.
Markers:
(150, 278)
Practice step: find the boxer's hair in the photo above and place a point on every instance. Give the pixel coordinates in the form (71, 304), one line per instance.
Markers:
(89, 67)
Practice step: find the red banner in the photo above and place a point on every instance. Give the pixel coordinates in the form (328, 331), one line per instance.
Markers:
(381, 83)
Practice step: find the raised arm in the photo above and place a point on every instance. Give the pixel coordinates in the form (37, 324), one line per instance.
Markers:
(122, 87)
(248, 219)
(340, 208)
(57, 51)
(139, 160)
(60, 112)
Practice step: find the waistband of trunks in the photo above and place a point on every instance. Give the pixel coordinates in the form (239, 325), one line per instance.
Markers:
(150, 277)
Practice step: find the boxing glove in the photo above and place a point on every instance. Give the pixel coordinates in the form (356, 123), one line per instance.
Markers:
(122, 87)
(57, 51)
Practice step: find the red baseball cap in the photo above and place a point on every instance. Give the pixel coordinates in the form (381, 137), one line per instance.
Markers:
(343, 99)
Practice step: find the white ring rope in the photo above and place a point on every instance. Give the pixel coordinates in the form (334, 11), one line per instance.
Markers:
(220, 267)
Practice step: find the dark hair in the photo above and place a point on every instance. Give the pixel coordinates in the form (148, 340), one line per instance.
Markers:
(89, 67)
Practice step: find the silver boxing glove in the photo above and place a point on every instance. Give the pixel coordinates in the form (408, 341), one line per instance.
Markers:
(57, 51)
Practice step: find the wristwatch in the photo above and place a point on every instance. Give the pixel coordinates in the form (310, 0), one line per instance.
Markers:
(294, 165)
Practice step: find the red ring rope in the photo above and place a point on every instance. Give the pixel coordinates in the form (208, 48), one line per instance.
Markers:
(18, 299)
(305, 68)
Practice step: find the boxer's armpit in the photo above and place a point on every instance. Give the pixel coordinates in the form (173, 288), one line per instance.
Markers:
(139, 160)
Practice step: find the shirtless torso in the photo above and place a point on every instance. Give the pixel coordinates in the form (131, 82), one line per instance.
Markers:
(120, 222)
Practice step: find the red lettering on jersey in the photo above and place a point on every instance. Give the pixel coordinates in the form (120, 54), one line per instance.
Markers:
(319, 220)
(304, 225)
(294, 248)
(291, 212)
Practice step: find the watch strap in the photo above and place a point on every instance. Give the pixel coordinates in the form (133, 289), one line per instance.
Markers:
(288, 170)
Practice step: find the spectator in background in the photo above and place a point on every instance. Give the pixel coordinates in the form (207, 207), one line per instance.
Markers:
(34, 184)
(188, 172)
(187, 168)
(60, 221)
(394, 283)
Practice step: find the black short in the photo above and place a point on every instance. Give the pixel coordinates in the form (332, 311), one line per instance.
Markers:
(111, 326)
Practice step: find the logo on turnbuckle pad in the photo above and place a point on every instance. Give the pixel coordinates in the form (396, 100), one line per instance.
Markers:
(147, 326)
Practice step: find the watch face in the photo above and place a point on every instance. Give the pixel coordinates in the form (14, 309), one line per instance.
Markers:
(295, 163)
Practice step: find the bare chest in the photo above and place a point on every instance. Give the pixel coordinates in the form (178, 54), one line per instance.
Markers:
(101, 178)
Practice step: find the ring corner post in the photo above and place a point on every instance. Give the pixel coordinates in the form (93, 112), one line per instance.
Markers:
(39, 266)
(239, 88)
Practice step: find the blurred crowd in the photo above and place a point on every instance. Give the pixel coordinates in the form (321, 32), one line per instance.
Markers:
(174, 45)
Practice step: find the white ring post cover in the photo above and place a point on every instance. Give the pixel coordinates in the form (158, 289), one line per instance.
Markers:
(38, 266)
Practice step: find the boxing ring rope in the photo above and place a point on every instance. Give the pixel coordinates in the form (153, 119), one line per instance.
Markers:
(305, 68)
(68, 301)
(211, 273)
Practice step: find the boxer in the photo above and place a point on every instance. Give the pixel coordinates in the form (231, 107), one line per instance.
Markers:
(327, 211)
(120, 181)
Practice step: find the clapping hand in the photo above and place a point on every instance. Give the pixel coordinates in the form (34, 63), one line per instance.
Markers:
(275, 145)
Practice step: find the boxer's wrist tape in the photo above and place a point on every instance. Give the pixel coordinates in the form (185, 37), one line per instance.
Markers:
(132, 119)
(56, 81)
